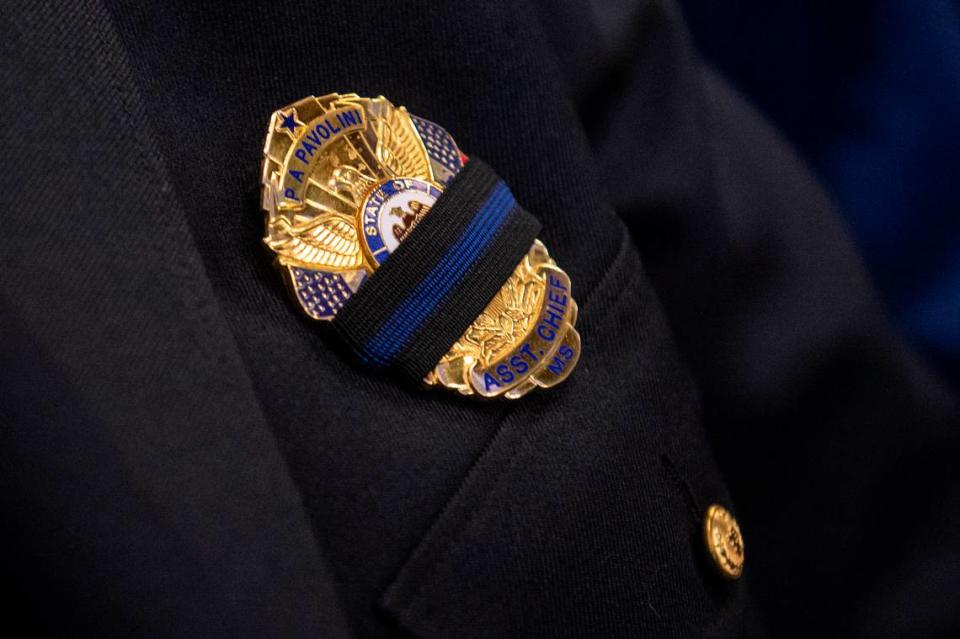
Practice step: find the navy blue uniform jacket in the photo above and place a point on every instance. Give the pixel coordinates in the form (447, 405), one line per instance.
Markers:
(186, 455)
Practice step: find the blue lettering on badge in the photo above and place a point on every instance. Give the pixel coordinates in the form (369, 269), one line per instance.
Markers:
(564, 354)
(319, 133)
(554, 310)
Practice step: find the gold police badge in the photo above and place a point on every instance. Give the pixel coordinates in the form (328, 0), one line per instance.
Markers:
(346, 180)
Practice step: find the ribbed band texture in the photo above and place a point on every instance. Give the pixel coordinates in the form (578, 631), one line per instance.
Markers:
(413, 308)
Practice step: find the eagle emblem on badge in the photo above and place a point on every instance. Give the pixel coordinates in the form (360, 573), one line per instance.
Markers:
(346, 179)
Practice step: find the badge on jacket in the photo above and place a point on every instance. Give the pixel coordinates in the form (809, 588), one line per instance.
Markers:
(473, 302)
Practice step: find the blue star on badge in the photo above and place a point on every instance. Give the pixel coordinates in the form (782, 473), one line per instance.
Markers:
(288, 121)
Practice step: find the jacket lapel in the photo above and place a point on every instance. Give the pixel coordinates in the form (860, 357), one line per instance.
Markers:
(104, 283)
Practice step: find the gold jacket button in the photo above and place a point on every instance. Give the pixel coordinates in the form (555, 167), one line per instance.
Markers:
(724, 542)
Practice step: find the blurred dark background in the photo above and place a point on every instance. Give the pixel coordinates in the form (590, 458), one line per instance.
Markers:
(869, 92)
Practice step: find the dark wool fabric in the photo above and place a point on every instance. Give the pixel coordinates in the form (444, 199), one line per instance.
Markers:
(185, 454)
(389, 288)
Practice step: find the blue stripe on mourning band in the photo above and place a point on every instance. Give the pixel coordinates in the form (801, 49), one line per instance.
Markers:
(448, 272)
